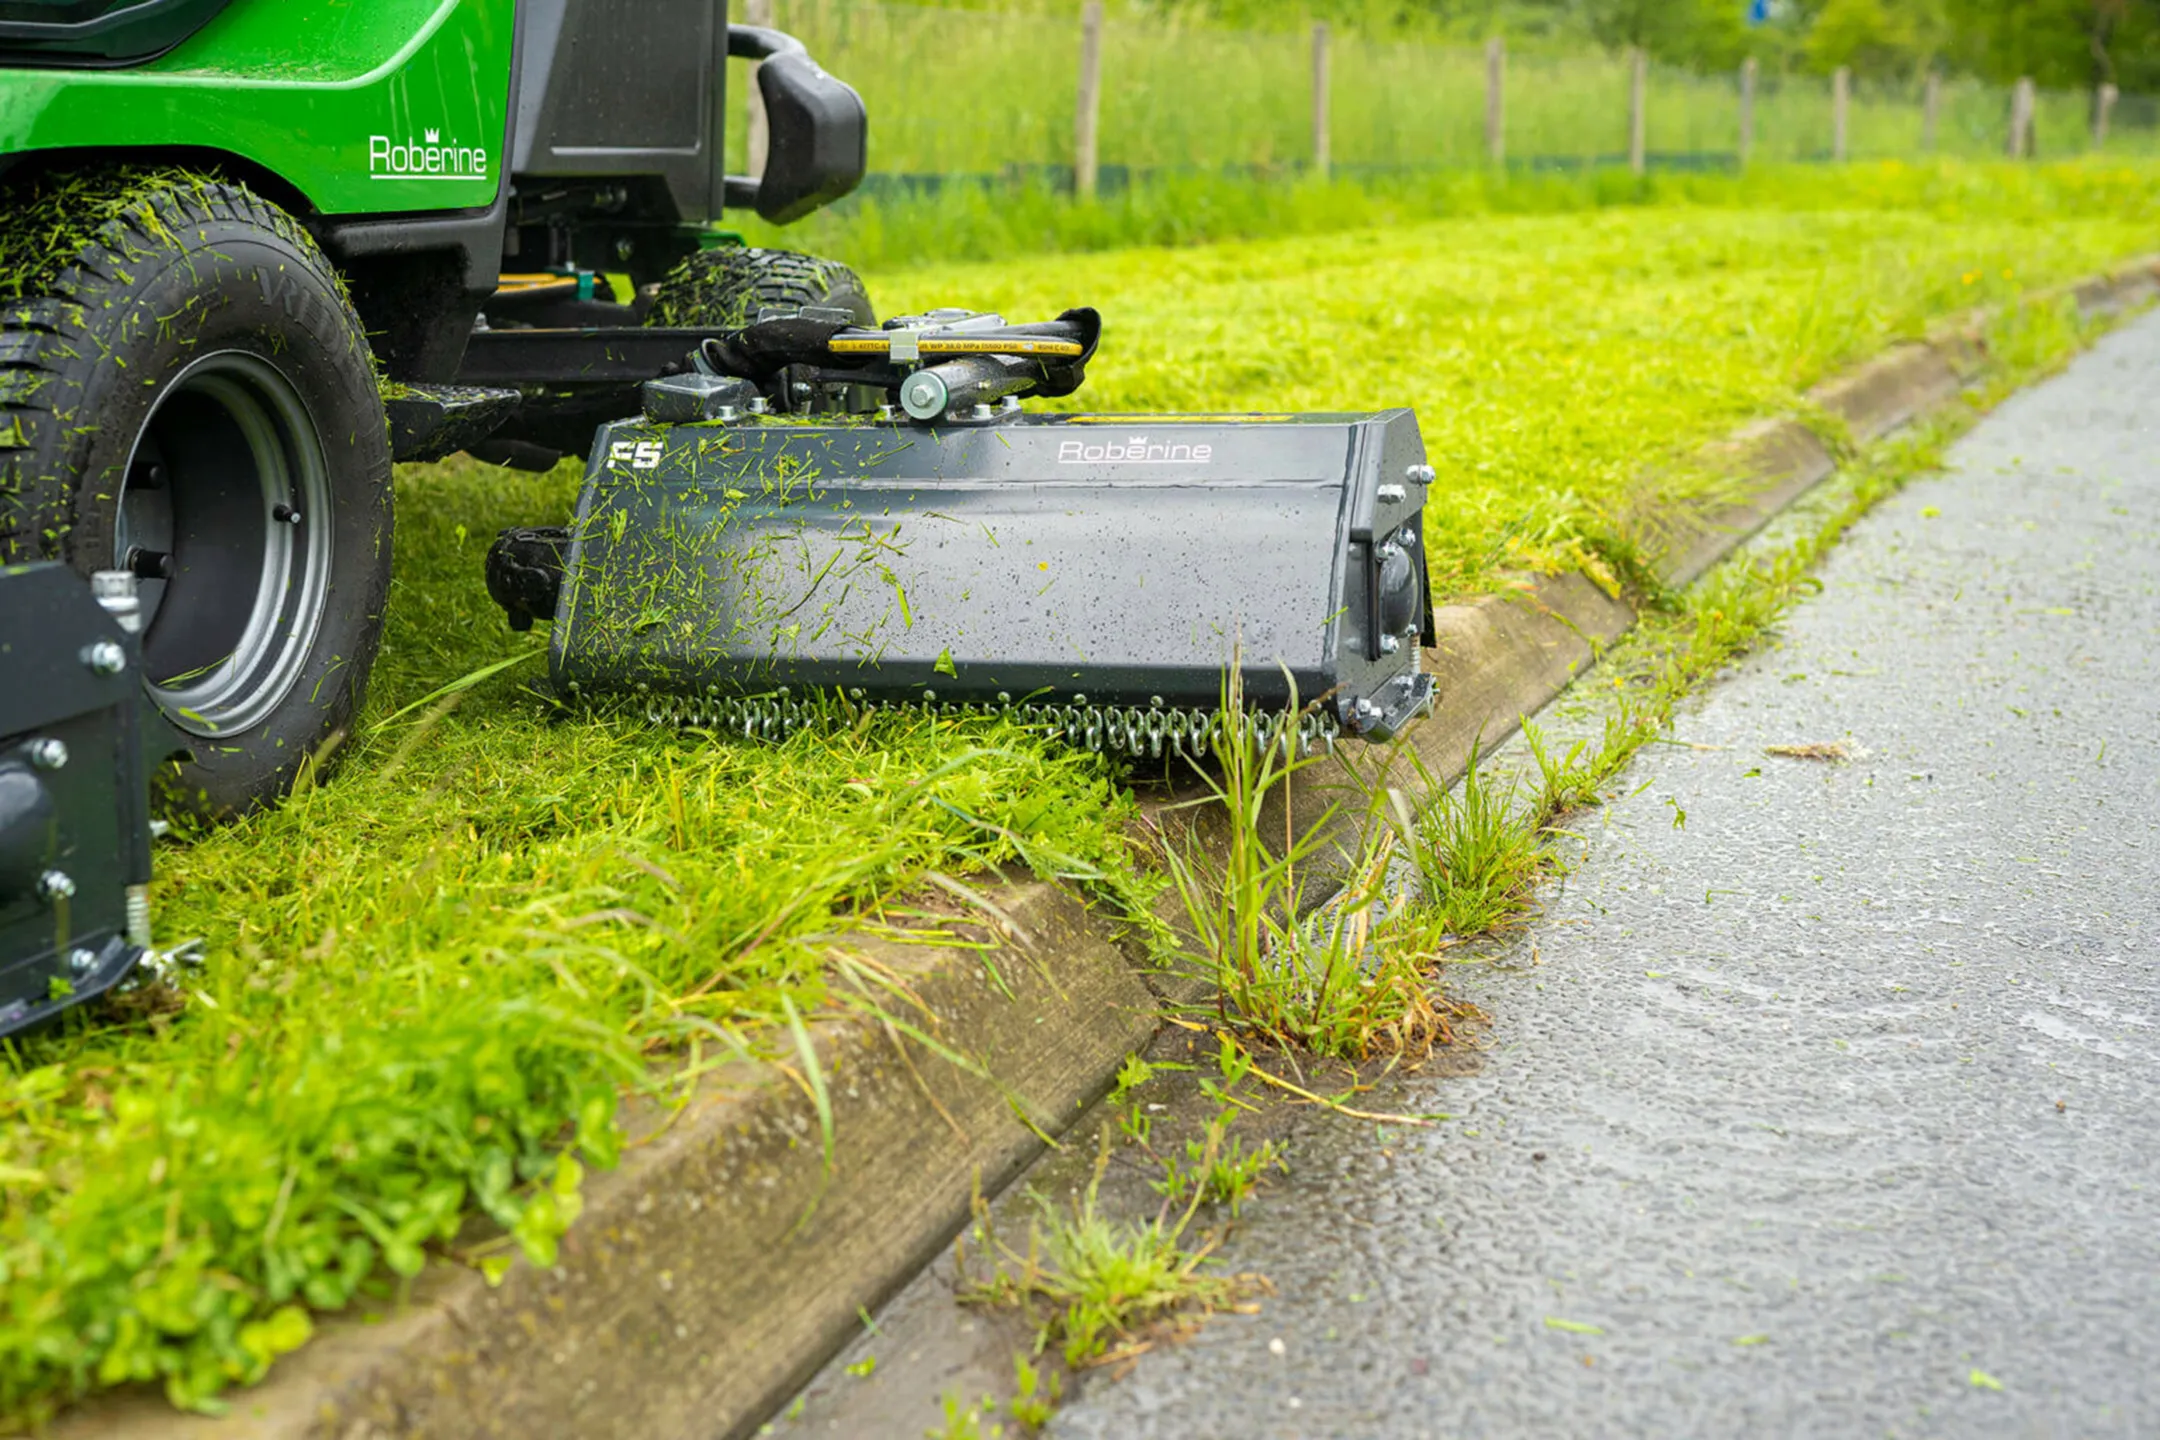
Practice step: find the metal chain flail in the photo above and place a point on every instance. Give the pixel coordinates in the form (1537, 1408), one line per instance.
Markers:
(1141, 731)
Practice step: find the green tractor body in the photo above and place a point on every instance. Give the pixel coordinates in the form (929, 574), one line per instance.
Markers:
(339, 109)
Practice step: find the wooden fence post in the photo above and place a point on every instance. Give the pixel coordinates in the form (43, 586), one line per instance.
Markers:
(1930, 109)
(2103, 107)
(1496, 101)
(1840, 111)
(1320, 99)
(1638, 86)
(2021, 118)
(1747, 110)
(756, 137)
(1087, 109)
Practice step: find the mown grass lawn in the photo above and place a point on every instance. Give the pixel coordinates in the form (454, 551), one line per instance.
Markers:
(1554, 359)
(428, 979)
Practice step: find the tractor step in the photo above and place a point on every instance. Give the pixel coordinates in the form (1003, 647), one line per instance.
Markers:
(428, 422)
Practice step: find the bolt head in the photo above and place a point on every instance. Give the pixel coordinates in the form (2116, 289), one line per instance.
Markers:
(105, 658)
(1407, 537)
(1389, 644)
(81, 961)
(55, 885)
(1420, 474)
(48, 753)
(1391, 494)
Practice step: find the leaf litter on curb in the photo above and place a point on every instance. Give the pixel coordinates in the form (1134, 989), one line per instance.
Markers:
(1833, 753)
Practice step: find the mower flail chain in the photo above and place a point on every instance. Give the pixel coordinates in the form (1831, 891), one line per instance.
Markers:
(1139, 732)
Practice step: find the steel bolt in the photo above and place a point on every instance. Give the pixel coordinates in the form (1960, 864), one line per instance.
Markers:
(81, 961)
(1420, 474)
(759, 405)
(55, 885)
(105, 658)
(48, 753)
(1392, 494)
(149, 564)
(1408, 537)
(285, 514)
(1389, 644)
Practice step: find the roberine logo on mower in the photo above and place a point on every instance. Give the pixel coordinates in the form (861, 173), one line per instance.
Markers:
(1136, 450)
(427, 159)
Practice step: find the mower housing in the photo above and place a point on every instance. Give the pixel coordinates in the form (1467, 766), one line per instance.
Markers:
(1095, 573)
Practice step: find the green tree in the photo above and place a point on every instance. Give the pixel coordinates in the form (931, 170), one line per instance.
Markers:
(1703, 34)
(2061, 44)
(1873, 37)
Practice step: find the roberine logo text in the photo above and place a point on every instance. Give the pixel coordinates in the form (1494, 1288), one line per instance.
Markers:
(1134, 450)
(427, 159)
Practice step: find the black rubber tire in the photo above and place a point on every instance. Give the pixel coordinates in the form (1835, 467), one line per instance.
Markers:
(726, 288)
(198, 326)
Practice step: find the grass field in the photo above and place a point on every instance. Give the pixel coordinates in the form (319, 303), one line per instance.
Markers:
(428, 979)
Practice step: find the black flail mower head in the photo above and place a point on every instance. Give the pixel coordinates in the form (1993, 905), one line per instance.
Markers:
(740, 569)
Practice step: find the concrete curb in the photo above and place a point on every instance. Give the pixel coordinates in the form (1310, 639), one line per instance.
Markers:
(717, 1267)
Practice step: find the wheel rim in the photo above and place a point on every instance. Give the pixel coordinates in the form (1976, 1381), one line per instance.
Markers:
(228, 494)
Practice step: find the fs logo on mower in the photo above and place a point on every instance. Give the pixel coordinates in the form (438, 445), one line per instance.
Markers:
(637, 454)
(1134, 450)
(427, 159)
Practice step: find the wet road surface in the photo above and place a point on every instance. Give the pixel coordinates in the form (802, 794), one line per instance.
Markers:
(1823, 1098)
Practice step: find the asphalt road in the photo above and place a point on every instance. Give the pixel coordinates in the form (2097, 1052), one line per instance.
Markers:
(1833, 1110)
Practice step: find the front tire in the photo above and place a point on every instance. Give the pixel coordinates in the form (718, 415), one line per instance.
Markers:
(189, 394)
(724, 289)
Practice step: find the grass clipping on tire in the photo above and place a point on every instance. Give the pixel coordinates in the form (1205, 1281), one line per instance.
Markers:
(46, 225)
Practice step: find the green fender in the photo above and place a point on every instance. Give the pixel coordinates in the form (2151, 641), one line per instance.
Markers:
(363, 106)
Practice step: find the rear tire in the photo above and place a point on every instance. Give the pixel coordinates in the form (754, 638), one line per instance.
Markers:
(724, 289)
(191, 383)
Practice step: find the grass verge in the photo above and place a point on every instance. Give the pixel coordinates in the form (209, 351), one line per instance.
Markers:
(429, 982)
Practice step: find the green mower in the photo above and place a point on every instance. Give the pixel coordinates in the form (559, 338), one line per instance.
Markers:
(252, 252)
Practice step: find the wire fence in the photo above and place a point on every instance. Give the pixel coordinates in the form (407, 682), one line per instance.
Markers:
(968, 94)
